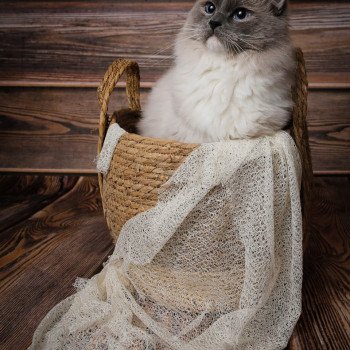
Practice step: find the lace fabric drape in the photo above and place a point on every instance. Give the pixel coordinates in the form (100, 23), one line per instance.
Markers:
(216, 264)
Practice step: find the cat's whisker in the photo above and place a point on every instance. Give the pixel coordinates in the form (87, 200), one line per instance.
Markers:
(251, 36)
(166, 32)
(171, 30)
(155, 54)
(236, 45)
(245, 37)
(250, 44)
(233, 44)
(172, 45)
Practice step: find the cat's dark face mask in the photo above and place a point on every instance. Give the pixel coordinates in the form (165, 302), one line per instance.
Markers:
(238, 25)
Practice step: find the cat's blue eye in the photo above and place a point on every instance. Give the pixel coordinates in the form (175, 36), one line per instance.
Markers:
(241, 14)
(209, 8)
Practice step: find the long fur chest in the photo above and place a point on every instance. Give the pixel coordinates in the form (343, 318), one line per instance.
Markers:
(222, 98)
(208, 97)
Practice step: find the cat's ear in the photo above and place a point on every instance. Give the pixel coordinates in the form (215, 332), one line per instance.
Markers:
(279, 7)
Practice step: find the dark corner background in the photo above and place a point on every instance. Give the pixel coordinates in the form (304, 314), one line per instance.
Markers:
(53, 55)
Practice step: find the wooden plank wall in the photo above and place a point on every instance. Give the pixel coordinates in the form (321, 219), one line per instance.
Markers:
(53, 55)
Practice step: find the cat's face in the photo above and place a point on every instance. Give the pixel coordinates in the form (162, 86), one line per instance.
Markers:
(234, 26)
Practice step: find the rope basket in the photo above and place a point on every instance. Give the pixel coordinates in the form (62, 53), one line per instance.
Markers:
(141, 165)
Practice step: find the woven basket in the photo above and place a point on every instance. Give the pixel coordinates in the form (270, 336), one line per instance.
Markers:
(140, 165)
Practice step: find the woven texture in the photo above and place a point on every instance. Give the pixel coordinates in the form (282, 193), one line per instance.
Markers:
(137, 170)
(141, 165)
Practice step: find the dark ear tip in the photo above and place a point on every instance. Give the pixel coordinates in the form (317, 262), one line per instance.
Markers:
(279, 10)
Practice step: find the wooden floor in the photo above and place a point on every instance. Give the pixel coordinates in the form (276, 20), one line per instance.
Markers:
(52, 230)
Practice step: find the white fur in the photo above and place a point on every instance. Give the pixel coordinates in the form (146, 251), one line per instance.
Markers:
(208, 96)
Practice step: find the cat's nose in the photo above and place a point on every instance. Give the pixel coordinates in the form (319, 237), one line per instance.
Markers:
(214, 24)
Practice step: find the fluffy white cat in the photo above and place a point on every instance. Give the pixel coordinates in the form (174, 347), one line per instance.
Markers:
(232, 76)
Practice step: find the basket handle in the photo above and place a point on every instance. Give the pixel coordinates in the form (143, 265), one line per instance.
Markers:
(104, 91)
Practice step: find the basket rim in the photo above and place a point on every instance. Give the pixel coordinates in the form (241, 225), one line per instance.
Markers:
(163, 142)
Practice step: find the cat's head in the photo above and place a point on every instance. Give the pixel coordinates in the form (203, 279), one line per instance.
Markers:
(234, 26)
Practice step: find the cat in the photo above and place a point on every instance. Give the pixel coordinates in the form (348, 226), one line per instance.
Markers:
(232, 76)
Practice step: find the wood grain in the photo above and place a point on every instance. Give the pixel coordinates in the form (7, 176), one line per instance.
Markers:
(23, 195)
(329, 130)
(72, 43)
(325, 321)
(50, 129)
(55, 130)
(41, 256)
